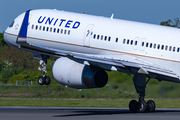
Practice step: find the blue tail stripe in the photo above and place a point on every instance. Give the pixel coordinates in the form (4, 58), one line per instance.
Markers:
(23, 30)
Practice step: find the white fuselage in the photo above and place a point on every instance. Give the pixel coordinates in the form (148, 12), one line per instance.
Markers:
(89, 34)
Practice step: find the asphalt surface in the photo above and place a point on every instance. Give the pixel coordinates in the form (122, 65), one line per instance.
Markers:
(84, 113)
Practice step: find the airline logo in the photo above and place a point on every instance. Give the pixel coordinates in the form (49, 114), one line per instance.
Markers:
(59, 22)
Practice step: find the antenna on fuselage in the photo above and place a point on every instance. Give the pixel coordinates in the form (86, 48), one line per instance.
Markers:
(112, 16)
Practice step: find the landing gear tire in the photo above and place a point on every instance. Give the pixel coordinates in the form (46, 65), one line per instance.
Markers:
(133, 106)
(41, 80)
(151, 106)
(47, 80)
(142, 106)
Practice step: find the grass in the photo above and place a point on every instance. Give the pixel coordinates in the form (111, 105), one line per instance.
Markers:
(166, 95)
(160, 103)
(118, 91)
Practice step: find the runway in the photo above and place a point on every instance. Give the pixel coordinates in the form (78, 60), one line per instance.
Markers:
(84, 113)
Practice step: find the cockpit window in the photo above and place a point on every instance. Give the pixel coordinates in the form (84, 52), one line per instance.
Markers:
(11, 25)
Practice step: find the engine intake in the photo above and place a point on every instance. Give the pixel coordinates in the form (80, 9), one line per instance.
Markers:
(75, 75)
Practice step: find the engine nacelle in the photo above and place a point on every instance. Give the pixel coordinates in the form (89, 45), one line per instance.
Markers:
(75, 75)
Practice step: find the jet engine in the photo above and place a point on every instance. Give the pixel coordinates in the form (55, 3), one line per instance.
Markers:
(75, 75)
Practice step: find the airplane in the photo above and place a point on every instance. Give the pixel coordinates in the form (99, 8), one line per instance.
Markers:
(87, 46)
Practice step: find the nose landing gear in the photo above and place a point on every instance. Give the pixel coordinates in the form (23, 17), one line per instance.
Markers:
(43, 79)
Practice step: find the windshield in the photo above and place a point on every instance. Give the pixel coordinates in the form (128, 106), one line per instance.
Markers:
(11, 25)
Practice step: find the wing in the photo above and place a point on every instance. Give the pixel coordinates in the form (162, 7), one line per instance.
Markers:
(123, 63)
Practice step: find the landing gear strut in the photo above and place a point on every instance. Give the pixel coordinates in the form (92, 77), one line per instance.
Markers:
(141, 106)
(43, 79)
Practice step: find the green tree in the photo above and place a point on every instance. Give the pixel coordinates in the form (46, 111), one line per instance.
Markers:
(171, 23)
(19, 58)
(2, 42)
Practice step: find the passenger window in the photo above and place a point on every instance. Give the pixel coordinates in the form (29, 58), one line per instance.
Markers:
(127, 41)
(40, 27)
(98, 37)
(57, 30)
(147, 44)
(94, 36)
(47, 28)
(151, 45)
(65, 31)
(32, 26)
(44, 28)
(135, 42)
(36, 27)
(101, 37)
(131, 42)
(154, 46)
(105, 38)
(61, 31)
(109, 39)
(124, 41)
(158, 46)
(162, 47)
(51, 29)
(166, 48)
(116, 39)
(69, 32)
(174, 49)
(170, 48)
(178, 50)
(142, 44)
(54, 29)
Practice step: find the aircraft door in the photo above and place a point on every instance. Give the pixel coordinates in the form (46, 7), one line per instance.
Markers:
(87, 35)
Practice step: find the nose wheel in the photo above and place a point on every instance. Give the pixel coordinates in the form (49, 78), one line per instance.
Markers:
(41, 80)
(44, 80)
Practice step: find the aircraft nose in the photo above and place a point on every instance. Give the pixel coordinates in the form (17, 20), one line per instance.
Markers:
(10, 38)
(14, 31)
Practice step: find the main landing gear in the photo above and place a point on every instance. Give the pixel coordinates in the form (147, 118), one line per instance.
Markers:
(43, 79)
(141, 106)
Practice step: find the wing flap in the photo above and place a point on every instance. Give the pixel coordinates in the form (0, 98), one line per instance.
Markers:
(132, 64)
